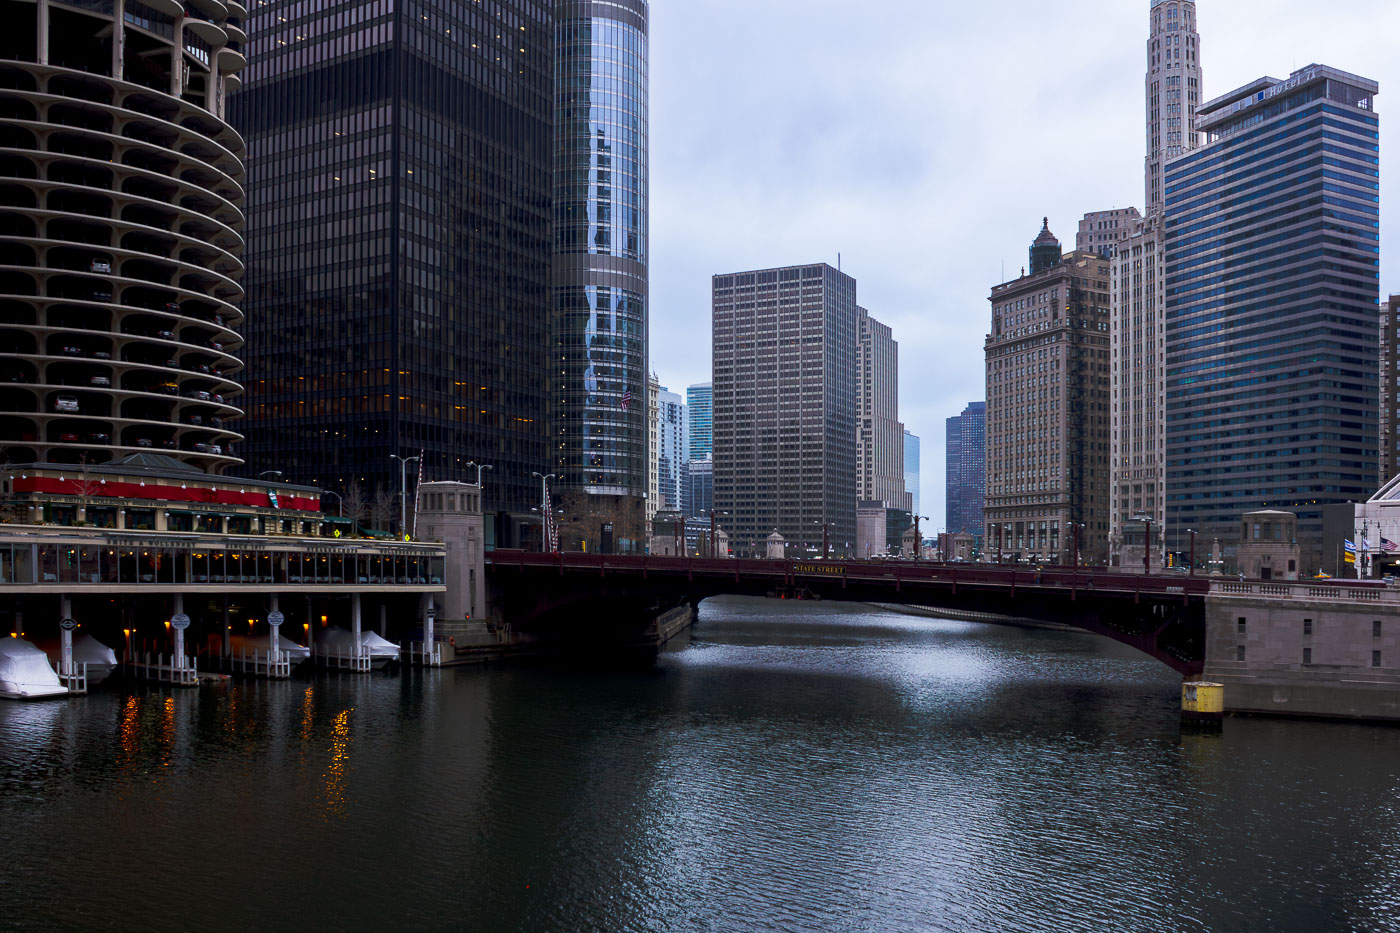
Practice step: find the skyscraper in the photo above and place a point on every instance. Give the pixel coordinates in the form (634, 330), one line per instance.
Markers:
(401, 160)
(699, 406)
(1137, 289)
(600, 263)
(879, 435)
(1272, 255)
(1389, 367)
(966, 469)
(1047, 408)
(671, 449)
(1103, 232)
(911, 473)
(785, 406)
(121, 234)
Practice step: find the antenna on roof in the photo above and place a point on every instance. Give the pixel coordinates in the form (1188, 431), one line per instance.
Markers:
(838, 260)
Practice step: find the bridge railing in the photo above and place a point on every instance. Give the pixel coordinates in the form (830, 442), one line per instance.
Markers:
(1351, 590)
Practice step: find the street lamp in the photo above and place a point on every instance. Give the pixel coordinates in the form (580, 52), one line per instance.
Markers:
(403, 488)
(1146, 540)
(713, 513)
(918, 536)
(479, 468)
(269, 473)
(826, 537)
(545, 517)
(339, 502)
(1192, 564)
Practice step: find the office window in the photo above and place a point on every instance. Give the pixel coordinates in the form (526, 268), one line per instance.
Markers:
(1307, 655)
(1239, 652)
(1240, 625)
(1307, 626)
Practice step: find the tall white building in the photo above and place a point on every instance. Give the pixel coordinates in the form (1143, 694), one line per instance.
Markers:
(653, 448)
(671, 442)
(879, 434)
(1137, 478)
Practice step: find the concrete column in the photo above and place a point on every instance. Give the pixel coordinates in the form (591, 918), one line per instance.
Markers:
(42, 15)
(383, 619)
(274, 626)
(179, 629)
(65, 611)
(355, 624)
(226, 628)
(118, 38)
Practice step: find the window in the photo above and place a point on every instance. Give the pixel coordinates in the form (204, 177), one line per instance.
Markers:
(1240, 625)
(1375, 659)
(1307, 655)
(1376, 629)
(1307, 626)
(1239, 652)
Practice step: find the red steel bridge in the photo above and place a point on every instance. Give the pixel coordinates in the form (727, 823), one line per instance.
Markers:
(577, 596)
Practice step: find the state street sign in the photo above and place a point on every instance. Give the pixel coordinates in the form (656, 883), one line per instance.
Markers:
(275, 618)
(179, 621)
(67, 624)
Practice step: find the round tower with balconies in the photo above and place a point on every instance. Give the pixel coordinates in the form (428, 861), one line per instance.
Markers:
(121, 231)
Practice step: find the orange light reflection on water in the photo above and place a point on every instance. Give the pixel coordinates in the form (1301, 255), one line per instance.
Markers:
(334, 777)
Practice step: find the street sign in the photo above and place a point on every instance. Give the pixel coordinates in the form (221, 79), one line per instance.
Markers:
(67, 624)
(432, 612)
(179, 621)
(275, 618)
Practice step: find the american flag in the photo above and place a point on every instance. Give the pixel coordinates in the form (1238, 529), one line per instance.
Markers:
(1388, 545)
(626, 399)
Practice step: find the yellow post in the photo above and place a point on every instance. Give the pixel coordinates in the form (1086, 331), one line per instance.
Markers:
(1202, 702)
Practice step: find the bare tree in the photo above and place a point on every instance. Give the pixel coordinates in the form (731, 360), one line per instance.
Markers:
(354, 502)
(85, 487)
(384, 507)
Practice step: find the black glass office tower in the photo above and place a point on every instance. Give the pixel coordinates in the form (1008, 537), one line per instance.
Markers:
(1272, 257)
(399, 240)
(600, 269)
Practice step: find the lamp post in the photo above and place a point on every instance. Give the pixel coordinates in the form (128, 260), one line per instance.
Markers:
(918, 537)
(545, 517)
(403, 489)
(269, 473)
(1192, 564)
(479, 468)
(1146, 540)
(339, 502)
(826, 537)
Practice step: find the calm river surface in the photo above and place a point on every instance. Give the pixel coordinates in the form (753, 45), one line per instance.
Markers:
(792, 767)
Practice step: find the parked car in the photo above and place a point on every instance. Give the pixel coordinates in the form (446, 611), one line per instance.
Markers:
(101, 355)
(100, 381)
(195, 419)
(203, 368)
(99, 265)
(216, 397)
(215, 345)
(216, 449)
(215, 421)
(17, 376)
(165, 334)
(99, 438)
(168, 388)
(169, 445)
(198, 394)
(68, 437)
(172, 364)
(101, 296)
(143, 442)
(67, 403)
(173, 307)
(200, 448)
(70, 351)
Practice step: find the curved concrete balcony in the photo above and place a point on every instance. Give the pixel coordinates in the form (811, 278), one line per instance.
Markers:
(231, 60)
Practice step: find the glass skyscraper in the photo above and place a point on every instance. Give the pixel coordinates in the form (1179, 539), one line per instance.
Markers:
(700, 409)
(966, 469)
(1272, 258)
(600, 260)
(911, 472)
(400, 177)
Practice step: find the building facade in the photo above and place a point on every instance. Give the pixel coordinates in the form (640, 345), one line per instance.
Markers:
(654, 499)
(1389, 461)
(1272, 296)
(1047, 409)
(966, 474)
(879, 435)
(785, 407)
(700, 487)
(911, 473)
(1137, 327)
(121, 234)
(600, 258)
(401, 160)
(1103, 231)
(699, 407)
(671, 449)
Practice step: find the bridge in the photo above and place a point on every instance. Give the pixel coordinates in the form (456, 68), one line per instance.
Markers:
(616, 598)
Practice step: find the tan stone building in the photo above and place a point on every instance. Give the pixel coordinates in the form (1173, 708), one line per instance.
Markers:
(1047, 359)
(1103, 232)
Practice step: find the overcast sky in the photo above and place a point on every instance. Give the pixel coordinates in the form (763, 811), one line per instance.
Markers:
(924, 140)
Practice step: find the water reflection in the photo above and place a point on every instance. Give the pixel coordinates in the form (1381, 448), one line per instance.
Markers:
(829, 768)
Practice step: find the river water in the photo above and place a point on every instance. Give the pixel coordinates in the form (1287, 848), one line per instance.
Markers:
(789, 767)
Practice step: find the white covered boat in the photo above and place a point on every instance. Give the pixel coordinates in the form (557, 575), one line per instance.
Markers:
(258, 644)
(25, 672)
(101, 661)
(337, 642)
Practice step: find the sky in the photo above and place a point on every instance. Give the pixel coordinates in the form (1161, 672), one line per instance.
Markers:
(923, 141)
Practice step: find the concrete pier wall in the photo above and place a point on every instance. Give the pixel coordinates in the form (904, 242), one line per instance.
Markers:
(1303, 651)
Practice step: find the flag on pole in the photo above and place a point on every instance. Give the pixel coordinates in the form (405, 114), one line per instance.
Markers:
(1388, 545)
(1365, 544)
(1348, 552)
